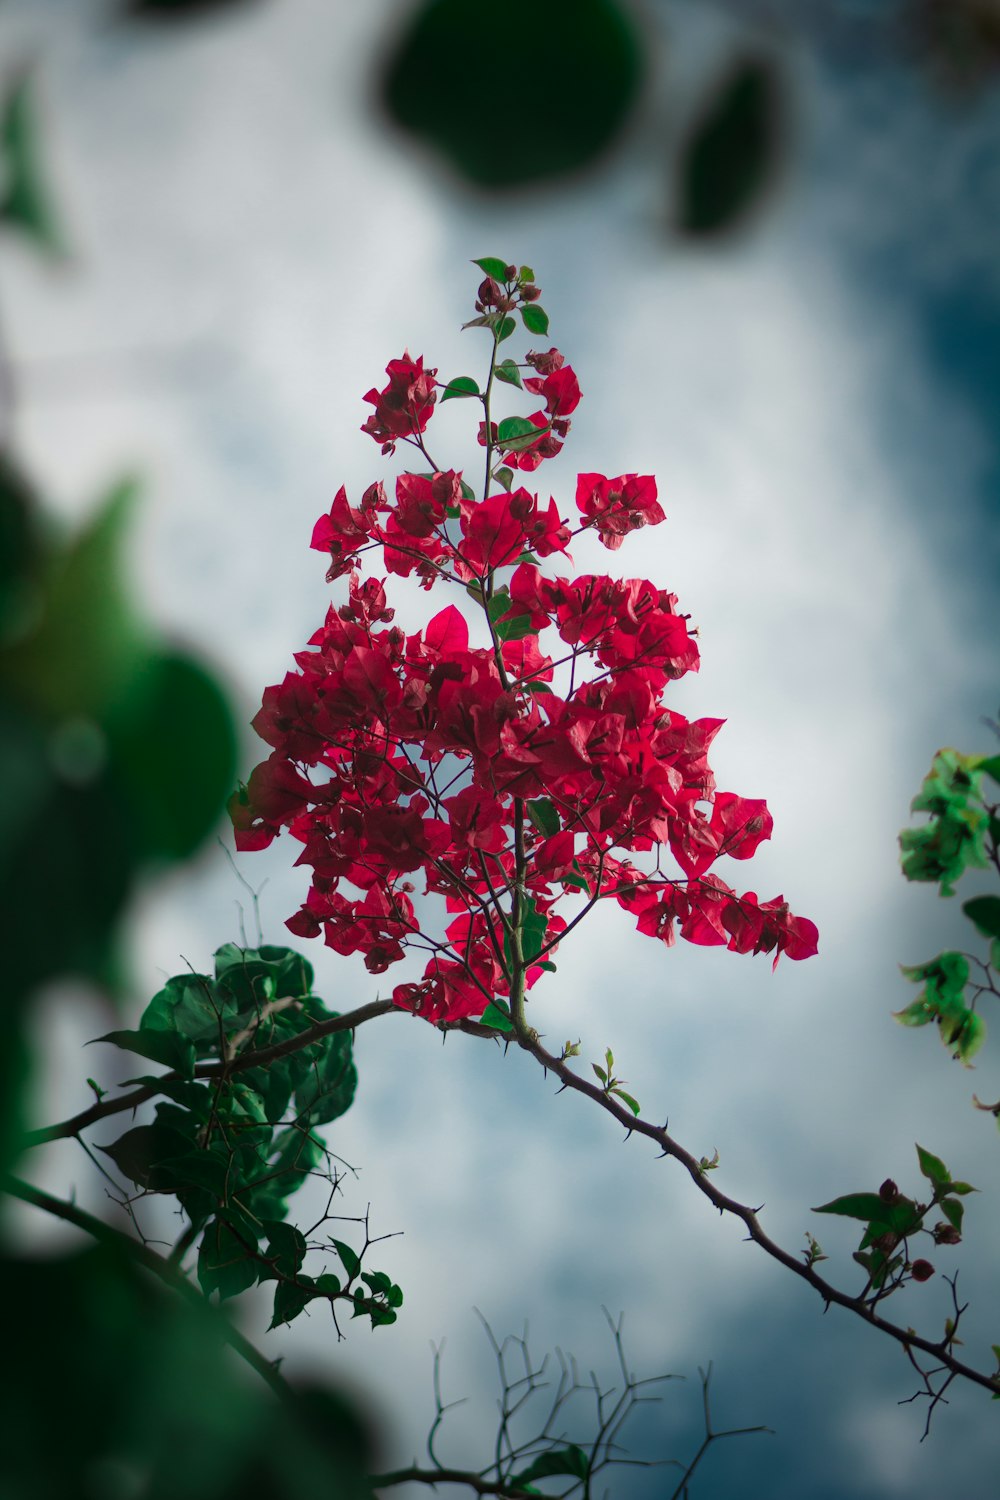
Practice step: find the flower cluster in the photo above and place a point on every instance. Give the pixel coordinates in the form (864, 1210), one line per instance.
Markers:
(521, 779)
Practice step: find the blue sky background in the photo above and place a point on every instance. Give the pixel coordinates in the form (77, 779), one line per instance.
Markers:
(819, 403)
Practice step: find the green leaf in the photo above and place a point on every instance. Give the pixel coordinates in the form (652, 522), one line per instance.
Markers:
(224, 1263)
(865, 1206)
(543, 814)
(990, 765)
(984, 911)
(535, 318)
(468, 493)
(600, 1072)
(627, 1098)
(933, 1168)
(508, 372)
(733, 154)
(462, 385)
(24, 199)
(141, 1152)
(329, 1087)
(953, 1210)
(526, 275)
(571, 1460)
(289, 1300)
(533, 928)
(515, 433)
(493, 267)
(513, 629)
(970, 1038)
(919, 1013)
(166, 1047)
(504, 477)
(497, 1015)
(962, 1188)
(505, 329)
(577, 879)
(349, 1258)
(191, 1005)
(286, 1247)
(328, 1284)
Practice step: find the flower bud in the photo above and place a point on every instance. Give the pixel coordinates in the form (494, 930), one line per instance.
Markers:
(489, 293)
(888, 1192)
(510, 273)
(946, 1234)
(921, 1270)
(530, 293)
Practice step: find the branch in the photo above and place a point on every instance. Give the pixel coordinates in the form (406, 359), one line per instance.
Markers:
(529, 1041)
(167, 1271)
(260, 1058)
(433, 1477)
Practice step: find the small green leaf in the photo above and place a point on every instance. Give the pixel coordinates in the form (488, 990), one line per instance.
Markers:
(627, 1098)
(349, 1258)
(508, 372)
(577, 879)
(468, 493)
(933, 1168)
(548, 967)
(984, 911)
(953, 1210)
(600, 1073)
(526, 274)
(328, 1284)
(462, 385)
(515, 433)
(991, 765)
(504, 478)
(505, 330)
(962, 1188)
(24, 200)
(493, 267)
(286, 1247)
(497, 1015)
(919, 1013)
(535, 319)
(543, 814)
(970, 1038)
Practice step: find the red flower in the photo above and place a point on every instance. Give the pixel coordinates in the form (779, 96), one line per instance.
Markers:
(617, 506)
(403, 407)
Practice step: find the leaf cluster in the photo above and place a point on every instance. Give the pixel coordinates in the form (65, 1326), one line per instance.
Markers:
(235, 1140)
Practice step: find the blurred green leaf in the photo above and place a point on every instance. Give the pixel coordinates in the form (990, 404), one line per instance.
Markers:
(984, 912)
(564, 84)
(734, 151)
(571, 1461)
(25, 202)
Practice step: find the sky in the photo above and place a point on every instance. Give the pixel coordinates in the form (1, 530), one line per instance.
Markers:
(818, 402)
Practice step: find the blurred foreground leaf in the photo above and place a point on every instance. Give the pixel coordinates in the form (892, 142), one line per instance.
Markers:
(734, 151)
(24, 199)
(506, 110)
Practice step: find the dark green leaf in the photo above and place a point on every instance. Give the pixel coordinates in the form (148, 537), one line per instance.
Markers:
(477, 100)
(990, 764)
(508, 372)
(984, 911)
(286, 1248)
(349, 1258)
(513, 628)
(533, 927)
(141, 1152)
(328, 1088)
(933, 1168)
(734, 151)
(462, 385)
(490, 266)
(166, 1047)
(535, 318)
(503, 477)
(571, 1460)
(468, 493)
(543, 814)
(225, 1264)
(289, 1300)
(505, 329)
(328, 1284)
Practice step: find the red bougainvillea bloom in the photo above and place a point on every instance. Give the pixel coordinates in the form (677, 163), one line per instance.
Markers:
(403, 407)
(452, 789)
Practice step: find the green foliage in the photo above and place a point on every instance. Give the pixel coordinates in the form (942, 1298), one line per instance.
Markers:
(234, 1138)
(962, 833)
(462, 385)
(891, 1220)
